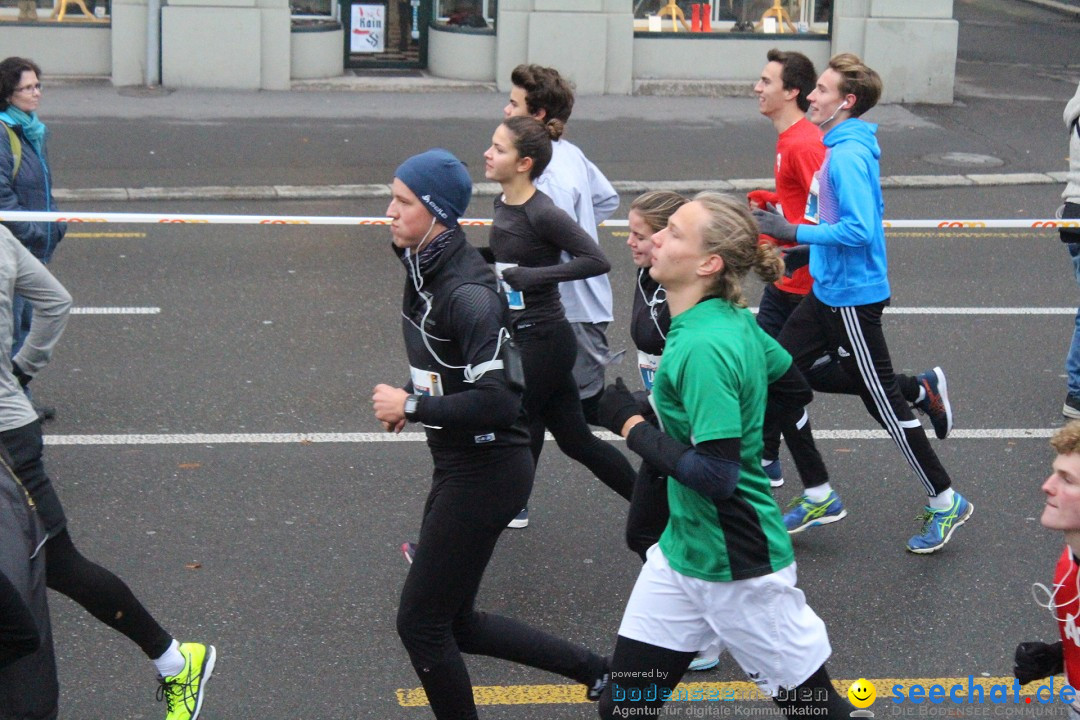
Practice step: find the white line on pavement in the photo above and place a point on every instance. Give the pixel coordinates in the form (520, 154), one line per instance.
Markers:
(378, 437)
(981, 310)
(115, 310)
(975, 310)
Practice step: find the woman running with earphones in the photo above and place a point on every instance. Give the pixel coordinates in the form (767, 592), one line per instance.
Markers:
(528, 235)
(723, 573)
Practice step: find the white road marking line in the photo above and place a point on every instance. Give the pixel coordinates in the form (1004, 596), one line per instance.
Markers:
(379, 437)
(115, 311)
(974, 310)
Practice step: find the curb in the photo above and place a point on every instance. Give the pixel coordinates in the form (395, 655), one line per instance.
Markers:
(1061, 7)
(629, 187)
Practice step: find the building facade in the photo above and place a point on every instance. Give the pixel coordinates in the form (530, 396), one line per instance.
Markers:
(605, 46)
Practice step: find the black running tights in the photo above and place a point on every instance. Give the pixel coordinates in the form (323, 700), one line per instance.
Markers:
(102, 594)
(551, 401)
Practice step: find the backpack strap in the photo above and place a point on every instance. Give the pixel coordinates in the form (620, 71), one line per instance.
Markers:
(16, 149)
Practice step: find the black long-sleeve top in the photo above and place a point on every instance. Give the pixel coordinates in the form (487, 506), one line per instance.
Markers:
(650, 318)
(532, 236)
(462, 325)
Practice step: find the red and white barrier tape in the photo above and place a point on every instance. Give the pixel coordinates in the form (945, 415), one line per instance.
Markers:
(182, 218)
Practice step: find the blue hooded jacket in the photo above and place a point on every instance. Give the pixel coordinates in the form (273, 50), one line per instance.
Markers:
(31, 190)
(847, 246)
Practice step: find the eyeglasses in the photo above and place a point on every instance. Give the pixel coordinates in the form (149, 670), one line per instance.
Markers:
(29, 88)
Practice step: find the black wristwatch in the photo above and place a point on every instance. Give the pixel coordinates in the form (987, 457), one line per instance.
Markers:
(412, 404)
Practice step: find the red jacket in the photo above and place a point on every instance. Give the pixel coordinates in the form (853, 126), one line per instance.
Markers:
(799, 154)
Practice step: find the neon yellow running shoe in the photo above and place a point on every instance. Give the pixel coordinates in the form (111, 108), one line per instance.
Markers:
(183, 692)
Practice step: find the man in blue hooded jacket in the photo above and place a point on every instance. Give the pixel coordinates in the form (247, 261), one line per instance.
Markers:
(842, 315)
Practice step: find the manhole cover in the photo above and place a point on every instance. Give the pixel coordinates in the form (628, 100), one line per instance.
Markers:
(960, 159)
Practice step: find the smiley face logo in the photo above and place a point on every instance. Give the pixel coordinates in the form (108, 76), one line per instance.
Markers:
(862, 693)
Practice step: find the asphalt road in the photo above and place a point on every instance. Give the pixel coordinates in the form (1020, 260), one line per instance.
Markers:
(285, 555)
(283, 330)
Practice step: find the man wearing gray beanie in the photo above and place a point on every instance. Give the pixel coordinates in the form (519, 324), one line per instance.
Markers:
(465, 388)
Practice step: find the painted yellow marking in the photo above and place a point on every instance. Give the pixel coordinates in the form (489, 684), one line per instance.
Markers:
(954, 234)
(106, 235)
(619, 233)
(736, 690)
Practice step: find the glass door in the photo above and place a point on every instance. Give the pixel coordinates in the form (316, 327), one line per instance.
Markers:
(386, 33)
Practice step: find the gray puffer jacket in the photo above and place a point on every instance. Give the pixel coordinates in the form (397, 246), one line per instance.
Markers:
(32, 190)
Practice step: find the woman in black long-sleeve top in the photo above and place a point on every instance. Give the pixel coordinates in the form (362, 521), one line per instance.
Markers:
(528, 236)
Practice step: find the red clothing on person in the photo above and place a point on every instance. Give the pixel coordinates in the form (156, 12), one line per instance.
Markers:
(1066, 599)
(799, 154)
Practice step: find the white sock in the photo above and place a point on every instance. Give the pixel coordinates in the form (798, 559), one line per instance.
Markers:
(922, 395)
(818, 493)
(171, 661)
(941, 501)
(766, 463)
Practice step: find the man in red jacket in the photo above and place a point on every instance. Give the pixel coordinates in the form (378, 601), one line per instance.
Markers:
(1037, 660)
(786, 81)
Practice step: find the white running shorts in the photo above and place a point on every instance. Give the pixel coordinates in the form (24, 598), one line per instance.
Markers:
(764, 622)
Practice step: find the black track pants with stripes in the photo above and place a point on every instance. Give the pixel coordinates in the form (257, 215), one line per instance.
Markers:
(853, 336)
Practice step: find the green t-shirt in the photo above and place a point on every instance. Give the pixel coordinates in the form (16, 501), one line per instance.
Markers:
(712, 385)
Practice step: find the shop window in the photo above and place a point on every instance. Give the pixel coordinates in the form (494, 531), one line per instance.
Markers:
(314, 12)
(465, 13)
(735, 16)
(55, 10)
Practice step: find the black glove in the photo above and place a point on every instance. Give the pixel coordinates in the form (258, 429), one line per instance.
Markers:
(795, 257)
(1037, 660)
(617, 405)
(21, 376)
(775, 225)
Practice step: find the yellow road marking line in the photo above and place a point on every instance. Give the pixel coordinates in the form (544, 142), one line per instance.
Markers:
(735, 690)
(954, 234)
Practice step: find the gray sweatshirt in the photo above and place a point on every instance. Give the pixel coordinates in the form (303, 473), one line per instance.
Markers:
(1072, 186)
(22, 273)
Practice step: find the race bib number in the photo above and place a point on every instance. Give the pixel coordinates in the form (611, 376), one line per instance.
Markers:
(813, 212)
(426, 382)
(514, 298)
(648, 364)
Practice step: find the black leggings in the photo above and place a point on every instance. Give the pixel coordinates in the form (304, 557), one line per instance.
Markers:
(473, 496)
(102, 594)
(640, 672)
(99, 591)
(551, 401)
(775, 309)
(855, 336)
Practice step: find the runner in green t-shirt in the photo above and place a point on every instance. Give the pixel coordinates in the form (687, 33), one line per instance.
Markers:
(723, 573)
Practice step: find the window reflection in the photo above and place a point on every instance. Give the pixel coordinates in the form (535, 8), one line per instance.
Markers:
(750, 16)
(466, 13)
